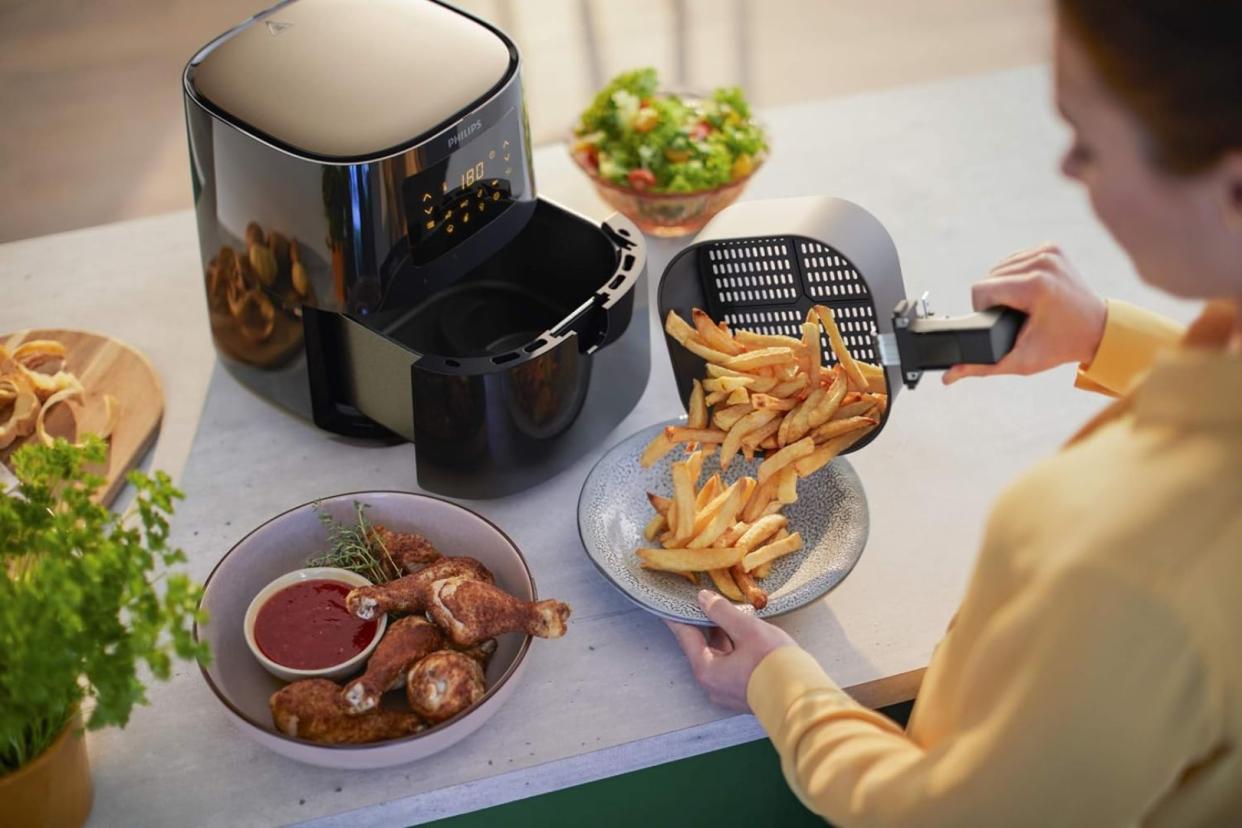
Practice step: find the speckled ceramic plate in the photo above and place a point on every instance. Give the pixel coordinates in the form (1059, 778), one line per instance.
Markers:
(831, 514)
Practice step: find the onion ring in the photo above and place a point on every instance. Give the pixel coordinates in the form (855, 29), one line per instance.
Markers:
(60, 396)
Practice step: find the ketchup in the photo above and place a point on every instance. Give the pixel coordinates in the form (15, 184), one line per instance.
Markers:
(306, 626)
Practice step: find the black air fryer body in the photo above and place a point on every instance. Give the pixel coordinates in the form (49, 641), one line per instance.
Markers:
(374, 253)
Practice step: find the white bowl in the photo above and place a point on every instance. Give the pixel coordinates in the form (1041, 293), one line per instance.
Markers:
(285, 543)
(326, 573)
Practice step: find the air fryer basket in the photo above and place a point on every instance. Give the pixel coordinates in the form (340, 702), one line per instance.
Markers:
(482, 375)
(761, 265)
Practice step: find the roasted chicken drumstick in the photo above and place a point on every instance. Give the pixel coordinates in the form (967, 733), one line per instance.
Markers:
(470, 611)
(444, 684)
(410, 594)
(312, 709)
(408, 550)
(407, 641)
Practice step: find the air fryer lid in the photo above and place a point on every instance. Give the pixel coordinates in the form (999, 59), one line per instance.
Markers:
(350, 78)
(761, 265)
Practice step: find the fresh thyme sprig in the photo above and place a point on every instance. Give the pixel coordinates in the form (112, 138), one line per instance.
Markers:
(355, 546)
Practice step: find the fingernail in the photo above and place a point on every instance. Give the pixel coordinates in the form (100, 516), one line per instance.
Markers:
(705, 595)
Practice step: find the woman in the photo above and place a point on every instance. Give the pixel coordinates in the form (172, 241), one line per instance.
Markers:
(1093, 675)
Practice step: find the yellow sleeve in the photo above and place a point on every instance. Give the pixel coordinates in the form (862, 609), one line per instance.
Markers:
(1086, 700)
(1132, 338)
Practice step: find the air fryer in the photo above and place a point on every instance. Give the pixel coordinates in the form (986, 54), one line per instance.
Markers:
(375, 256)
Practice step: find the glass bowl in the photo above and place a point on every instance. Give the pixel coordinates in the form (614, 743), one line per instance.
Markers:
(668, 214)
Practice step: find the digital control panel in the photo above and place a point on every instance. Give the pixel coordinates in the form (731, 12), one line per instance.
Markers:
(450, 201)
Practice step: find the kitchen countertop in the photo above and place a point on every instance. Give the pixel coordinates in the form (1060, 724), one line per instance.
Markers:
(961, 172)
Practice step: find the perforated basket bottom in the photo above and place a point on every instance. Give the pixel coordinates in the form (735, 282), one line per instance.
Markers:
(767, 285)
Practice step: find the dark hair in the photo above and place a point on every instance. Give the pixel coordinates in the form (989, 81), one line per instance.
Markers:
(1176, 64)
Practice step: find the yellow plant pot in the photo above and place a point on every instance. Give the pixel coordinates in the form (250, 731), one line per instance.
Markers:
(55, 789)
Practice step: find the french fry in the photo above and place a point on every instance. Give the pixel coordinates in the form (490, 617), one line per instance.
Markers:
(757, 437)
(877, 384)
(802, 418)
(732, 534)
(769, 444)
(748, 452)
(709, 491)
(763, 570)
(712, 336)
(773, 508)
(658, 502)
(694, 346)
(758, 383)
(757, 359)
(716, 398)
(722, 520)
(756, 340)
(738, 397)
(758, 501)
(712, 508)
(683, 498)
(726, 417)
(789, 454)
(772, 551)
(744, 426)
(724, 583)
(694, 462)
(823, 455)
(728, 383)
(770, 402)
(787, 486)
(868, 370)
(844, 358)
(709, 449)
(782, 433)
(789, 388)
(745, 582)
(694, 560)
(810, 341)
(694, 435)
(828, 404)
(678, 328)
(835, 428)
(698, 407)
(656, 449)
(854, 409)
(654, 527)
(759, 531)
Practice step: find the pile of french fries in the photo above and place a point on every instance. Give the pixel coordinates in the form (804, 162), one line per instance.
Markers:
(763, 395)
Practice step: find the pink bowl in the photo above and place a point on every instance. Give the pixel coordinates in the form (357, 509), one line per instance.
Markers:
(283, 544)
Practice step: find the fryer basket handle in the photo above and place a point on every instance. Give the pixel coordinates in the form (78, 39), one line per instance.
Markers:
(935, 344)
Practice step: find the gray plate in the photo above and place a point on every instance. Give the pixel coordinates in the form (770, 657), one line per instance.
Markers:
(831, 515)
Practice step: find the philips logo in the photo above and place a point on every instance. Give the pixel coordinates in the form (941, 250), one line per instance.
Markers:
(464, 133)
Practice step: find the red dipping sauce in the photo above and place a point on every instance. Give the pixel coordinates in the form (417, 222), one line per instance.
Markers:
(306, 626)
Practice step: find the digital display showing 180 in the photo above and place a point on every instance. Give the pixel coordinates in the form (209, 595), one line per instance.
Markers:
(450, 201)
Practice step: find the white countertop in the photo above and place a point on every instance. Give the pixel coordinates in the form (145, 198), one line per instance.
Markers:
(961, 172)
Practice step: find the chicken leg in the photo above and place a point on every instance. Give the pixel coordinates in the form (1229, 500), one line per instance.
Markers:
(409, 594)
(408, 551)
(471, 611)
(407, 641)
(444, 684)
(313, 710)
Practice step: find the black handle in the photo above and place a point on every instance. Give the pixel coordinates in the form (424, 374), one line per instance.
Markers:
(983, 338)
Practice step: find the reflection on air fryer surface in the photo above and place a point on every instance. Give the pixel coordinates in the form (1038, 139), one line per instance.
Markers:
(255, 298)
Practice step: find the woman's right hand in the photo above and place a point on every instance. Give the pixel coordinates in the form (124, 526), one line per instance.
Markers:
(1065, 319)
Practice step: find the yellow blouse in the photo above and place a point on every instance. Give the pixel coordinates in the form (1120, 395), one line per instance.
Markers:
(1093, 674)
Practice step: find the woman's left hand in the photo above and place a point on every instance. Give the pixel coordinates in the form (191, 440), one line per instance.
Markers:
(724, 659)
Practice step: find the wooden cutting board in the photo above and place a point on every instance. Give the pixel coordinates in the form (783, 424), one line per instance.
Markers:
(105, 366)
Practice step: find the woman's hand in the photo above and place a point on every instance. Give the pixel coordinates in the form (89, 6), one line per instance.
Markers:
(1066, 320)
(723, 661)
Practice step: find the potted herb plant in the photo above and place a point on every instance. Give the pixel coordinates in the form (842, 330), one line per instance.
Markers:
(85, 600)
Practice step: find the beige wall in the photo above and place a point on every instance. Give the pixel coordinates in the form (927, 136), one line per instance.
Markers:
(92, 129)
